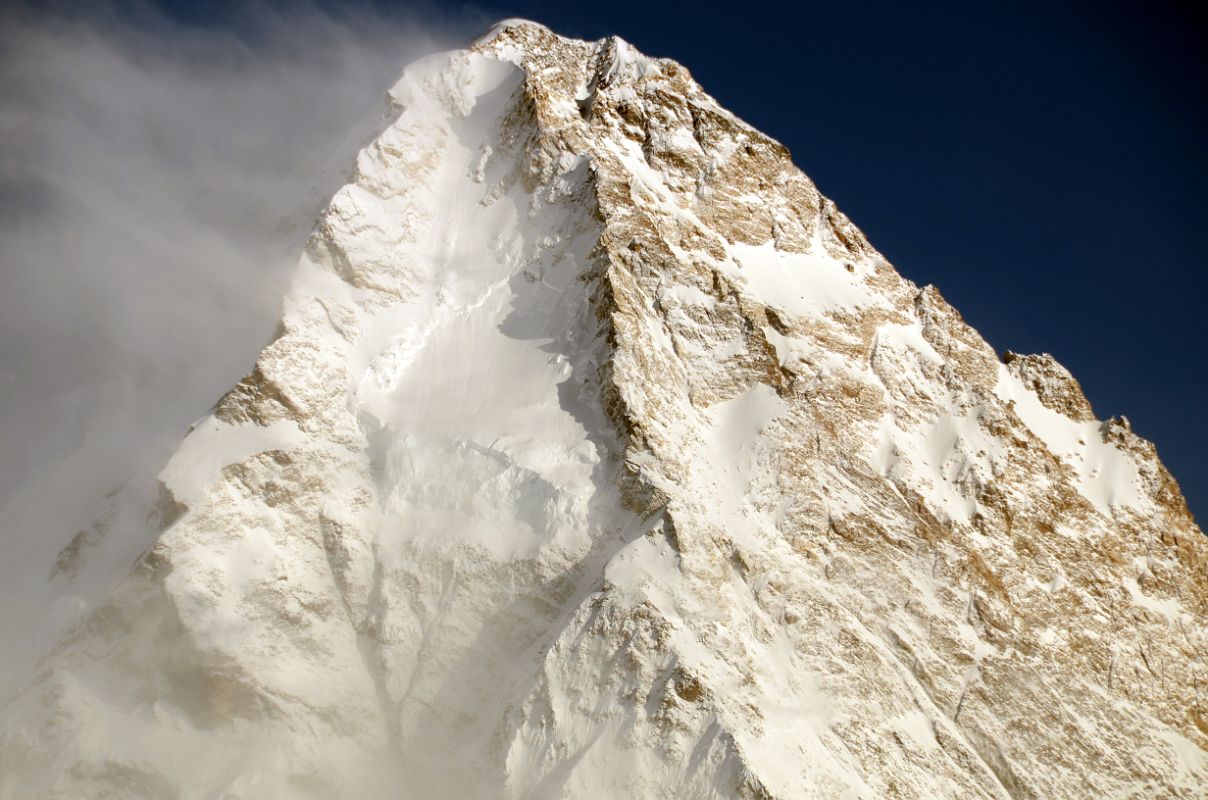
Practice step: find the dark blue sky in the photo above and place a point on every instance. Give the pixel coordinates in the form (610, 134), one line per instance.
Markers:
(1044, 165)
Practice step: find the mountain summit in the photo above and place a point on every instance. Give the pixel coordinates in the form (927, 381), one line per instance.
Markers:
(598, 455)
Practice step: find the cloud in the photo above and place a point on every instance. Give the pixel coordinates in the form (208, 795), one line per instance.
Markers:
(156, 177)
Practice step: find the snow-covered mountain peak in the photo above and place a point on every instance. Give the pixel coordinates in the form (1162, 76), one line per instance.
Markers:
(600, 455)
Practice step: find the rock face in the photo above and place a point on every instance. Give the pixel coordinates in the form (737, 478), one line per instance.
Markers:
(599, 455)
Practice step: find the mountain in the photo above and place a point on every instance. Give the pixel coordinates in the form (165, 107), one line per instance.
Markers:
(598, 455)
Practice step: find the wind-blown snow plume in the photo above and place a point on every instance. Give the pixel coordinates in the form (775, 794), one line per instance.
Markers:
(156, 180)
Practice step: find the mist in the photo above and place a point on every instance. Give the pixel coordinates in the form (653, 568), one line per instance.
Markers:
(156, 180)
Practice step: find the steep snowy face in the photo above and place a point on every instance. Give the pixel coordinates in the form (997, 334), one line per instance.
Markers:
(599, 455)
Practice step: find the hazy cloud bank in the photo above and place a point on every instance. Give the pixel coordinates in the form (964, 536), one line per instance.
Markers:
(148, 173)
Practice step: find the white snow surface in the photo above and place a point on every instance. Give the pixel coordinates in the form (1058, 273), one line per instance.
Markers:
(598, 456)
(1107, 476)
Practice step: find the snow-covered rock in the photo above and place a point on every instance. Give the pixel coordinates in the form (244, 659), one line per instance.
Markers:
(599, 455)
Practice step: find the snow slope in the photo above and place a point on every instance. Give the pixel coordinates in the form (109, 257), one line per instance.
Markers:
(599, 455)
